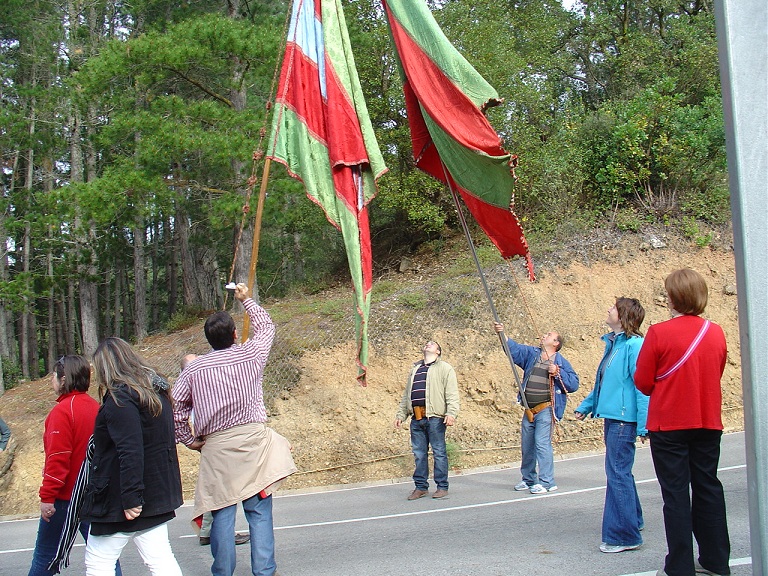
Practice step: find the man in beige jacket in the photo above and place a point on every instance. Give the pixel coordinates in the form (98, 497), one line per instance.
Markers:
(431, 398)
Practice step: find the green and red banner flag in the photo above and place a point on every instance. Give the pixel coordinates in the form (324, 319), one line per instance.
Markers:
(452, 139)
(322, 133)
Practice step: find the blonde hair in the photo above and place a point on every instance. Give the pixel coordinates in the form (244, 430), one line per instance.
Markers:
(115, 363)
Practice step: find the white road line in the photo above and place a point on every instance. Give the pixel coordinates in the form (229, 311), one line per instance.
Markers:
(519, 500)
(31, 549)
(734, 562)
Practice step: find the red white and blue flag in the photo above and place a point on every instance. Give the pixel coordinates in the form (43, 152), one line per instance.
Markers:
(322, 133)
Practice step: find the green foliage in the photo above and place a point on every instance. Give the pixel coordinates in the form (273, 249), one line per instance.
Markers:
(614, 110)
(383, 289)
(692, 231)
(299, 249)
(337, 309)
(628, 219)
(711, 205)
(11, 373)
(453, 449)
(184, 319)
(486, 254)
(413, 300)
(651, 148)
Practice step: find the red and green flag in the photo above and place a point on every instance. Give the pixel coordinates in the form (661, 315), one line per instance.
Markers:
(452, 139)
(322, 133)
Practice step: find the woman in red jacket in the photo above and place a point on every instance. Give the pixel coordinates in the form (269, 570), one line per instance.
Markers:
(68, 427)
(680, 366)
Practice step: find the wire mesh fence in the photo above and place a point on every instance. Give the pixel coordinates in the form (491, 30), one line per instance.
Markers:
(406, 308)
(402, 313)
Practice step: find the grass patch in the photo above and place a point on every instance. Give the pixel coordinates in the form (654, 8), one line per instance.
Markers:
(413, 300)
(454, 454)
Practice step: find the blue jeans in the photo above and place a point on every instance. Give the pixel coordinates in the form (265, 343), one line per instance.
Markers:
(684, 458)
(536, 447)
(622, 514)
(258, 512)
(425, 433)
(48, 535)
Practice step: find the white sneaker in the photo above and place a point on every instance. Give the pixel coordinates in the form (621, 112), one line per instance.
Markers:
(539, 489)
(615, 548)
(520, 486)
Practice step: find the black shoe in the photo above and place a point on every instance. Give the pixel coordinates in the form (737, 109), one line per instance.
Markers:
(240, 538)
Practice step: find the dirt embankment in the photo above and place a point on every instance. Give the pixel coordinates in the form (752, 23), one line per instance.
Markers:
(342, 433)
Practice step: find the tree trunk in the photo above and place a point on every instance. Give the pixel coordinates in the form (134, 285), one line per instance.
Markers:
(171, 267)
(75, 341)
(52, 343)
(210, 288)
(26, 256)
(154, 304)
(239, 98)
(89, 310)
(188, 274)
(7, 350)
(139, 284)
(118, 298)
(34, 349)
(26, 316)
(67, 337)
(107, 318)
(85, 232)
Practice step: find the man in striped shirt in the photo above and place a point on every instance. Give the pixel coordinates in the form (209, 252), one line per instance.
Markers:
(241, 459)
(431, 398)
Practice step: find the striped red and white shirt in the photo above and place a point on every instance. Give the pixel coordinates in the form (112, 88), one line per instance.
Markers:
(224, 386)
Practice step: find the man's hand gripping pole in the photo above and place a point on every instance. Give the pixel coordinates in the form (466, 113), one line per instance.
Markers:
(508, 353)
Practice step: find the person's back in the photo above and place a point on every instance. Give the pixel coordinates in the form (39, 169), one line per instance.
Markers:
(696, 385)
(242, 460)
(72, 418)
(680, 366)
(224, 385)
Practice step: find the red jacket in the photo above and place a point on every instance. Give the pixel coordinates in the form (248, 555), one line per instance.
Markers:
(67, 430)
(690, 397)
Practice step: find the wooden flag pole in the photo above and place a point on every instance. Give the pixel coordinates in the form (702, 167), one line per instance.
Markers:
(256, 238)
(501, 335)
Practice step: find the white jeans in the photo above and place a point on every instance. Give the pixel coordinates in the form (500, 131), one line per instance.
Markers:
(101, 552)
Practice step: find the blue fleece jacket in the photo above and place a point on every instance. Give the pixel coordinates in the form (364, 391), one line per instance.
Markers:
(614, 395)
(526, 357)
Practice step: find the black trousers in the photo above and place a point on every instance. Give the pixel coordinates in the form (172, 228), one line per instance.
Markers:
(683, 459)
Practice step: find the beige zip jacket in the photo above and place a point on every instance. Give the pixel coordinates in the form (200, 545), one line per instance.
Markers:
(442, 392)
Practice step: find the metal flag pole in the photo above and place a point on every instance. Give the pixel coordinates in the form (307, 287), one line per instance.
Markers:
(502, 336)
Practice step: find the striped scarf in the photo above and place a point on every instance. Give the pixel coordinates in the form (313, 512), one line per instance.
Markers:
(72, 522)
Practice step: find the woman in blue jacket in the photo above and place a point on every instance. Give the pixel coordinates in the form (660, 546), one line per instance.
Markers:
(624, 409)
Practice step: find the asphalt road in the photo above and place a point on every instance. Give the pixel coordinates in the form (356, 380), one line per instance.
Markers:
(483, 528)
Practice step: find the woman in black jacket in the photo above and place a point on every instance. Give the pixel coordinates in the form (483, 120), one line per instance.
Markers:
(134, 483)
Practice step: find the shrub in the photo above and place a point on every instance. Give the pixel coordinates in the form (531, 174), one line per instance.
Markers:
(11, 373)
(183, 319)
